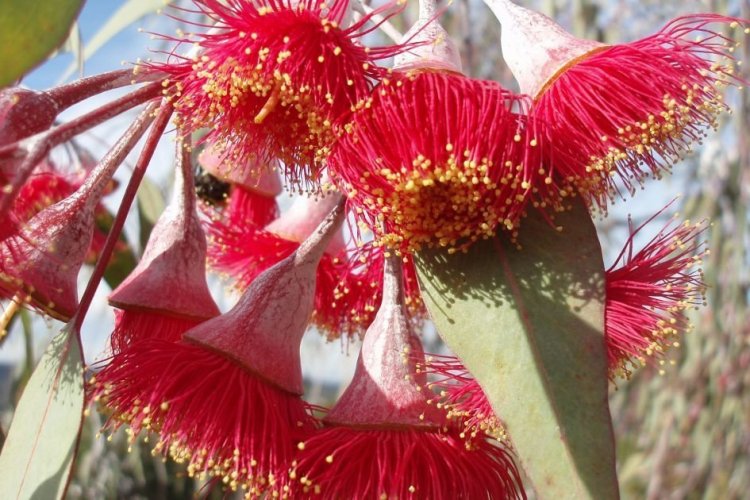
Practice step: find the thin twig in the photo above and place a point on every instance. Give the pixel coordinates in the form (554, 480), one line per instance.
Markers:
(362, 9)
(157, 129)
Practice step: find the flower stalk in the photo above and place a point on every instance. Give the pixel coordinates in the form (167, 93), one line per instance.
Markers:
(24, 155)
(160, 123)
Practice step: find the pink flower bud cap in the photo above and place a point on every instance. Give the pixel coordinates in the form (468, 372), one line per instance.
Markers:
(432, 48)
(536, 48)
(359, 292)
(302, 218)
(263, 179)
(43, 260)
(25, 112)
(384, 392)
(174, 259)
(264, 330)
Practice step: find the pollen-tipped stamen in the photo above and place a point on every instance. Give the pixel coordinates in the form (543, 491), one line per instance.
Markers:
(269, 106)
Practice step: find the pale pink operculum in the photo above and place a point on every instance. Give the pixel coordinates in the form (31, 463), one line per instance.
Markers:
(49, 251)
(25, 112)
(386, 391)
(535, 47)
(263, 179)
(434, 50)
(300, 221)
(171, 275)
(44, 258)
(264, 330)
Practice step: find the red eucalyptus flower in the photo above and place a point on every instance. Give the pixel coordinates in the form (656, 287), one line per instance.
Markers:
(648, 293)
(39, 263)
(252, 198)
(434, 158)
(243, 251)
(383, 440)
(625, 111)
(174, 259)
(271, 77)
(462, 397)
(226, 399)
(46, 187)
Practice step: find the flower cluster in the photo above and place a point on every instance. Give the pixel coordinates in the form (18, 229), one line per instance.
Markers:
(284, 95)
(270, 78)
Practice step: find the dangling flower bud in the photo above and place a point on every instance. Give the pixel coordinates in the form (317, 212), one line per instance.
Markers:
(626, 111)
(383, 440)
(226, 399)
(243, 251)
(174, 259)
(41, 261)
(252, 198)
(434, 158)
(431, 46)
(271, 77)
(536, 48)
(24, 112)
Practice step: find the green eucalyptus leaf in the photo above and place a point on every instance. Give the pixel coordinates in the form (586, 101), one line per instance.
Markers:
(74, 46)
(31, 31)
(529, 325)
(37, 456)
(121, 264)
(151, 204)
(123, 259)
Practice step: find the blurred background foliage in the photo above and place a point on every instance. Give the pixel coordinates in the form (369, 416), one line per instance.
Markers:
(683, 433)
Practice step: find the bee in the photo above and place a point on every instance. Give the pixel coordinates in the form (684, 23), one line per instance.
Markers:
(209, 188)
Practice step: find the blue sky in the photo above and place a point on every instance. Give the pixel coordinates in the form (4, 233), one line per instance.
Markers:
(128, 45)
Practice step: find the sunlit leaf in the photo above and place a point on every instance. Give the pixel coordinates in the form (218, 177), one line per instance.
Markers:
(37, 456)
(74, 46)
(123, 259)
(529, 325)
(150, 206)
(30, 31)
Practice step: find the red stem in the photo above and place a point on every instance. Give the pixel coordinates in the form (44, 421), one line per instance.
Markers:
(95, 183)
(184, 184)
(35, 148)
(72, 93)
(160, 123)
